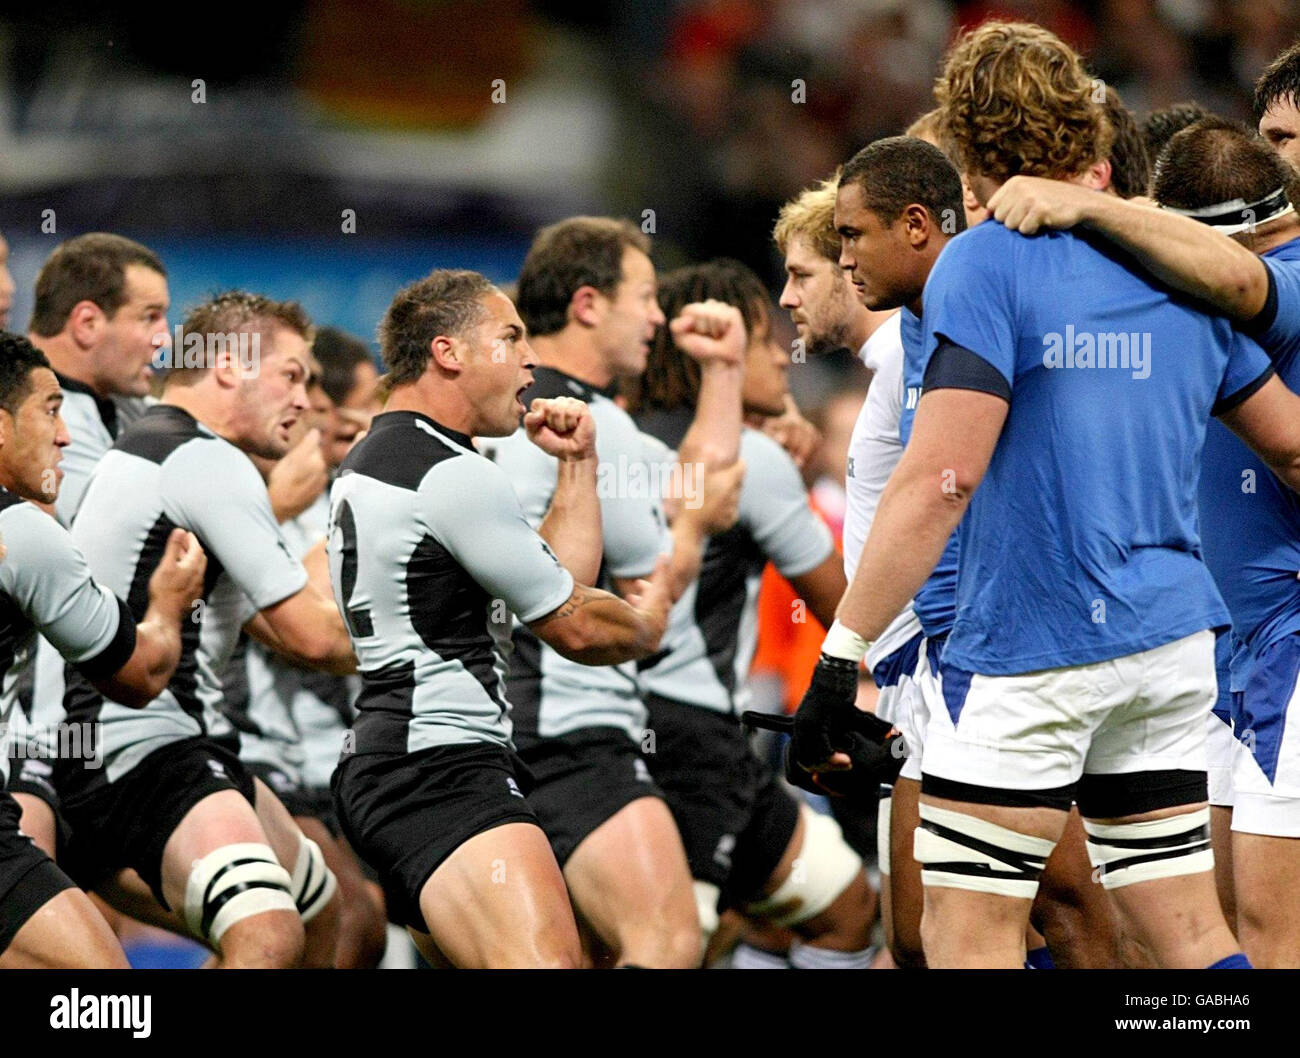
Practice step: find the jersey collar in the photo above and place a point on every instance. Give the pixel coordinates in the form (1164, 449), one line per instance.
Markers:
(405, 418)
(582, 390)
(106, 408)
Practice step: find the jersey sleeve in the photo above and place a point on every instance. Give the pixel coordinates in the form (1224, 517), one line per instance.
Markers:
(1249, 367)
(49, 580)
(470, 508)
(969, 302)
(213, 489)
(774, 507)
(1278, 322)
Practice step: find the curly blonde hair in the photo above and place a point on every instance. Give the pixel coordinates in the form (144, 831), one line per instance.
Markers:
(811, 215)
(1017, 100)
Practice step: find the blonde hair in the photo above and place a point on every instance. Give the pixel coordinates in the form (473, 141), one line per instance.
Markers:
(1017, 99)
(810, 215)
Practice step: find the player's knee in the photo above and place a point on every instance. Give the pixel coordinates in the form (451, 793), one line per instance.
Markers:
(313, 884)
(1126, 853)
(824, 869)
(846, 924)
(268, 941)
(960, 851)
(235, 883)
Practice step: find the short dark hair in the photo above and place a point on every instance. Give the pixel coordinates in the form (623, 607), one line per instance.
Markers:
(88, 268)
(18, 359)
(1280, 81)
(1217, 161)
(1161, 125)
(671, 378)
(898, 171)
(446, 302)
(338, 354)
(573, 253)
(1130, 168)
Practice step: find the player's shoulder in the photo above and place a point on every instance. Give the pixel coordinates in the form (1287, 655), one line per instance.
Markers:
(163, 430)
(766, 459)
(885, 344)
(1285, 255)
(403, 447)
(32, 538)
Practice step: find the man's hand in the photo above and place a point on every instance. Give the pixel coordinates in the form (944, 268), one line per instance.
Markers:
(826, 716)
(298, 480)
(1028, 204)
(178, 580)
(562, 427)
(710, 331)
(794, 433)
(652, 595)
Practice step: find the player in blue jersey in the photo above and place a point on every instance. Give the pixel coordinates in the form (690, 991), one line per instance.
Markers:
(1064, 408)
(1223, 194)
(898, 205)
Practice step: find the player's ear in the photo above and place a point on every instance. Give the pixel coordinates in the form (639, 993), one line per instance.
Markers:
(585, 306)
(1097, 176)
(6, 426)
(85, 322)
(448, 353)
(917, 220)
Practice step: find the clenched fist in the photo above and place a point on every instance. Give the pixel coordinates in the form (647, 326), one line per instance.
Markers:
(561, 427)
(710, 331)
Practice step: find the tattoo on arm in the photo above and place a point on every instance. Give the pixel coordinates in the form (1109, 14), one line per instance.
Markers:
(582, 595)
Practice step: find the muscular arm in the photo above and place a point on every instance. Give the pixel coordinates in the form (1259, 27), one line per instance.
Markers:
(307, 628)
(952, 442)
(572, 525)
(594, 627)
(1182, 252)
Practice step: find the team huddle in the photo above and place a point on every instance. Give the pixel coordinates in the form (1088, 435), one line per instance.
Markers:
(292, 650)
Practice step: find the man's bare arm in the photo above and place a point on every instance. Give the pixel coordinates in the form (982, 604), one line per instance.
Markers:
(1182, 252)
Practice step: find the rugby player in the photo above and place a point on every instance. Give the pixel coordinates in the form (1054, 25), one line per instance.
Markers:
(743, 831)
(1214, 181)
(219, 853)
(46, 587)
(587, 293)
(430, 555)
(99, 316)
(1276, 105)
(1080, 666)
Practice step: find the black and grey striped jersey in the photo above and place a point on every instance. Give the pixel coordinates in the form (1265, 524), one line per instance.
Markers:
(550, 694)
(46, 587)
(430, 556)
(713, 628)
(168, 471)
(93, 425)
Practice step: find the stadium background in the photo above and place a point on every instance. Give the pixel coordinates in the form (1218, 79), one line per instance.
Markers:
(452, 129)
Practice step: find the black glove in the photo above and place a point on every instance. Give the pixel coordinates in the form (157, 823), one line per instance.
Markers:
(875, 749)
(827, 713)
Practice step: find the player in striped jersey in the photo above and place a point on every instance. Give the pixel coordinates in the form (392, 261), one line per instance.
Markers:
(742, 830)
(45, 586)
(99, 316)
(219, 853)
(431, 561)
(587, 293)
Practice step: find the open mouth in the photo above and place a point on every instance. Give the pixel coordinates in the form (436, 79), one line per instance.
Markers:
(519, 399)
